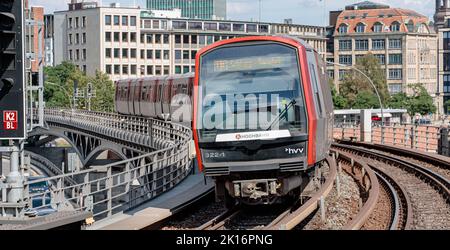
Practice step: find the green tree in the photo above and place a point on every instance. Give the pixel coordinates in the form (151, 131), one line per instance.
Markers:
(339, 101)
(59, 88)
(399, 101)
(420, 102)
(355, 85)
(366, 100)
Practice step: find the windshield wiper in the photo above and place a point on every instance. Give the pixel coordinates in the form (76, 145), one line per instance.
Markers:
(278, 119)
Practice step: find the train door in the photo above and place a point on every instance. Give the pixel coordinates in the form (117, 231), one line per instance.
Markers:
(137, 97)
(158, 99)
(130, 91)
(167, 89)
(321, 133)
(144, 100)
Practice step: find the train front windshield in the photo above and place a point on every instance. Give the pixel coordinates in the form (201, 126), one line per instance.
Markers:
(250, 92)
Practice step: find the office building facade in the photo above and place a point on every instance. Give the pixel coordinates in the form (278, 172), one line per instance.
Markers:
(442, 25)
(194, 9)
(402, 40)
(129, 43)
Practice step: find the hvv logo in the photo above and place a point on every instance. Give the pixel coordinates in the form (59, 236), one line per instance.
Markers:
(294, 151)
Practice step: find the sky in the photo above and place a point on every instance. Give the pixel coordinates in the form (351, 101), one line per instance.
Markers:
(311, 12)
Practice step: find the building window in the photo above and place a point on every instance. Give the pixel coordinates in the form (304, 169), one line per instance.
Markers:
(166, 54)
(252, 28)
(177, 69)
(186, 39)
(149, 54)
(77, 20)
(166, 70)
(447, 40)
(116, 36)
(70, 25)
(381, 58)
(77, 38)
(446, 83)
(362, 45)
(395, 59)
(133, 37)
(179, 25)
(193, 54)
(83, 40)
(195, 26)
(378, 28)
(117, 20)
(177, 54)
(107, 20)
(395, 27)
(186, 54)
(84, 54)
(395, 74)
(166, 39)
(149, 38)
(108, 53)
(124, 37)
(345, 59)
(142, 54)
(360, 28)
(133, 21)
(158, 54)
(194, 39)
(210, 26)
(133, 53)
(225, 26)
(133, 69)
(83, 22)
(125, 70)
(177, 39)
(264, 28)
(108, 69)
(185, 69)
(124, 53)
(158, 39)
(116, 53)
(124, 20)
(395, 88)
(395, 43)
(345, 45)
(117, 69)
(158, 70)
(149, 70)
(446, 61)
(343, 29)
(70, 39)
(238, 27)
(378, 44)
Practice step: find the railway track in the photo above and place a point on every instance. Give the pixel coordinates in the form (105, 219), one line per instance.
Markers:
(423, 193)
(238, 218)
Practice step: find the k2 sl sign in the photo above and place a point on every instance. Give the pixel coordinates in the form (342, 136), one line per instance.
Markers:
(10, 120)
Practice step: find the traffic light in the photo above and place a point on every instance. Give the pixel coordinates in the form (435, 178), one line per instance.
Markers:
(12, 75)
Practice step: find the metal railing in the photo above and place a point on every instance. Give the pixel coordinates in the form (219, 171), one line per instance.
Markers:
(120, 186)
(423, 138)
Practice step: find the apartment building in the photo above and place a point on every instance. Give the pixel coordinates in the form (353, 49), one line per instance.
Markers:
(442, 25)
(130, 42)
(402, 40)
(194, 9)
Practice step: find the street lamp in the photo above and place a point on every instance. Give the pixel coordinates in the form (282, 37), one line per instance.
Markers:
(374, 87)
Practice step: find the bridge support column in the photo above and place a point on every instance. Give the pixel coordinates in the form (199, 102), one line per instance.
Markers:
(15, 178)
(366, 125)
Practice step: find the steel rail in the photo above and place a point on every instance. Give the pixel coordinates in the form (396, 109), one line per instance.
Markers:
(439, 182)
(403, 217)
(369, 181)
(290, 219)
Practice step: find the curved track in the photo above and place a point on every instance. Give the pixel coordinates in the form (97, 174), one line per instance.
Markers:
(427, 191)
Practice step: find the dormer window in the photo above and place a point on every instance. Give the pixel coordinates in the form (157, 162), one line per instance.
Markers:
(360, 28)
(343, 29)
(378, 28)
(395, 27)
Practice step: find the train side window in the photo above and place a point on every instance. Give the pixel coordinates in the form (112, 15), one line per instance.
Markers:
(144, 93)
(316, 87)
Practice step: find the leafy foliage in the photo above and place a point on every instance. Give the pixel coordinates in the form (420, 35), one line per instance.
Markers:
(358, 91)
(59, 88)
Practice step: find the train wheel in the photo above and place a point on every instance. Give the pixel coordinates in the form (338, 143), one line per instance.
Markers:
(230, 202)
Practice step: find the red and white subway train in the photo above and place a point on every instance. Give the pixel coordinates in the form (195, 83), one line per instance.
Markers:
(261, 112)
